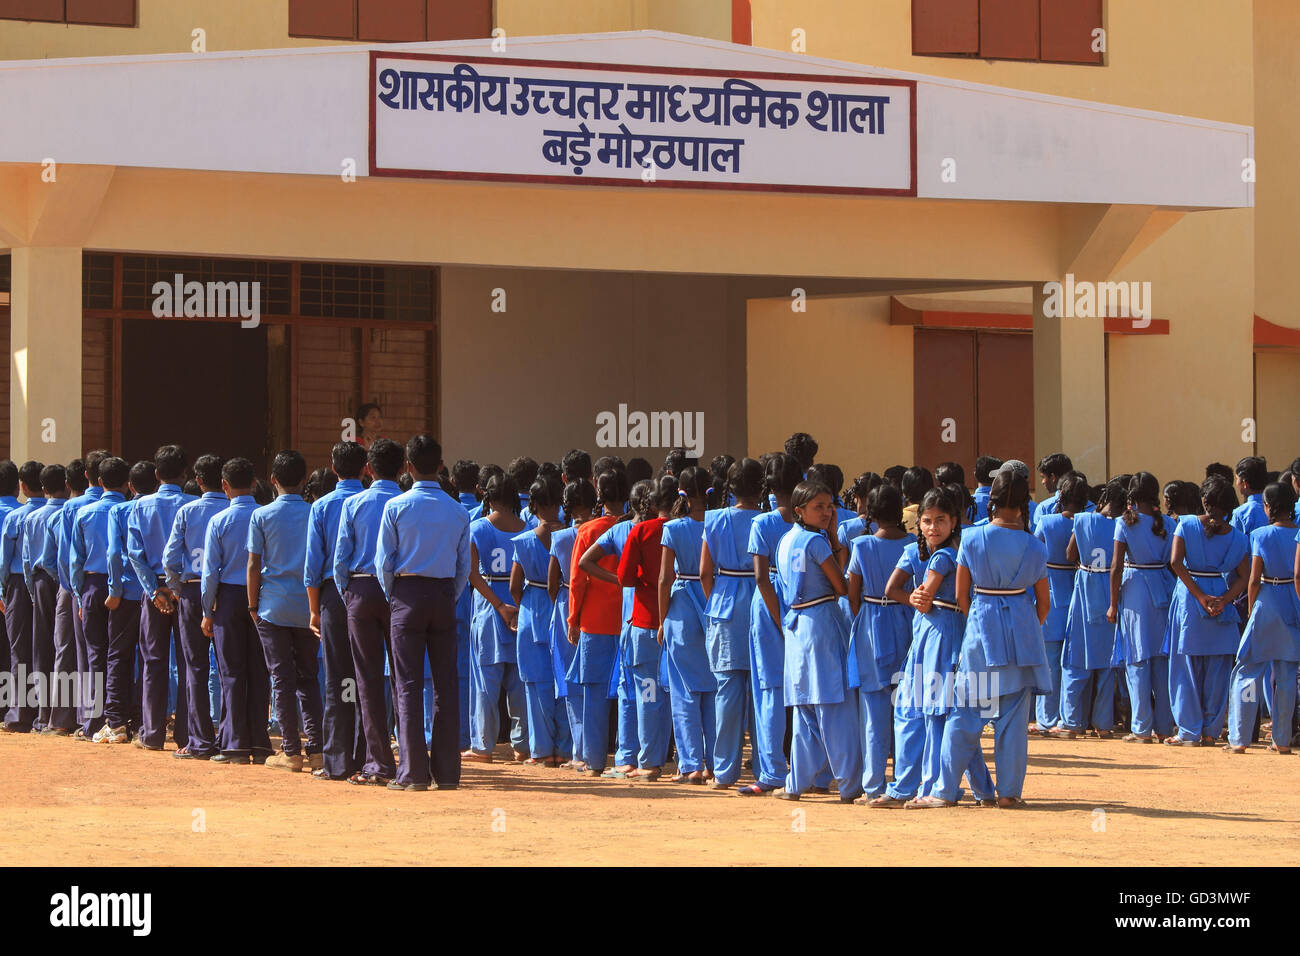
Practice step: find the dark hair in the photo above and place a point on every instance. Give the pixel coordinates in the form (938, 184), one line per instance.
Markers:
(289, 468)
(1114, 497)
(942, 499)
(30, 474)
(719, 467)
(832, 476)
(803, 448)
(894, 475)
(1253, 471)
(486, 472)
(170, 462)
(985, 466)
(207, 469)
(885, 503)
(1279, 501)
(1010, 490)
(949, 473)
(545, 492)
(522, 471)
(192, 488)
(675, 462)
(113, 472)
(745, 478)
(640, 500)
(962, 495)
(612, 487)
(366, 408)
(502, 490)
(54, 478)
(348, 459)
(1184, 497)
(783, 474)
(385, 458)
(405, 482)
(805, 492)
(1143, 489)
(93, 458)
(263, 493)
(578, 494)
(863, 485)
(1220, 469)
(1219, 500)
(144, 478)
(1072, 492)
(319, 484)
(638, 469)
(8, 478)
(77, 480)
(576, 465)
(424, 453)
(464, 474)
(916, 482)
(1295, 468)
(662, 494)
(1055, 465)
(692, 483)
(236, 472)
(606, 462)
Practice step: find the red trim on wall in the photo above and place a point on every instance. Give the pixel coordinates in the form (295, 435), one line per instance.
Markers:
(1270, 335)
(742, 24)
(900, 314)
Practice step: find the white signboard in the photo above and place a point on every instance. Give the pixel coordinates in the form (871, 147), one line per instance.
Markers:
(590, 123)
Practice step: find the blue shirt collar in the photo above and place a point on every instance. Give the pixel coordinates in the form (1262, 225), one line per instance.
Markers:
(384, 484)
(349, 484)
(211, 495)
(112, 496)
(427, 486)
(288, 497)
(243, 500)
(170, 488)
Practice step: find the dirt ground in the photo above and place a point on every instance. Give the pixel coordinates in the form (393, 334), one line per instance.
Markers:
(1091, 803)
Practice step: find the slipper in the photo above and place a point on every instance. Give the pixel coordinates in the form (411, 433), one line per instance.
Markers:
(754, 790)
(1013, 803)
(928, 803)
(1274, 748)
(1138, 739)
(645, 773)
(323, 774)
(613, 774)
(986, 802)
(1063, 733)
(785, 795)
(1176, 741)
(886, 802)
(1233, 750)
(363, 779)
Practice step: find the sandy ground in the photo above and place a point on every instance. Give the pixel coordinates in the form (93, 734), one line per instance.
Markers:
(1092, 803)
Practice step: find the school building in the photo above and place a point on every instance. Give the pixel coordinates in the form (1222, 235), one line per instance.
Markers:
(919, 229)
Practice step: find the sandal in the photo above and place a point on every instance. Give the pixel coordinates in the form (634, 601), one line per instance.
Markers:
(1062, 733)
(1274, 748)
(363, 779)
(755, 790)
(1138, 739)
(1233, 750)
(646, 773)
(613, 773)
(886, 802)
(1176, 741)
(928, 803)
(1011, 803)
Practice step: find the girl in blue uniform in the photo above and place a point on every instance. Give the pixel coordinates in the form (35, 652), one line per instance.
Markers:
(727, 576)
(681, 601)
(816, 649)
(925, 578)
(548, 723)
(781, 476)
(493, 661)
(1140, 588)
(861, 524)
(1055, 530)
(1211, 560)
(1089, 656)
(881, 633)
(1002, 662)
(1270, 646)
(579, 504)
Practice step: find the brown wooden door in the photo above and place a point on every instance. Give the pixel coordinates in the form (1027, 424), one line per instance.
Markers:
(943, 393)
(1005, 396)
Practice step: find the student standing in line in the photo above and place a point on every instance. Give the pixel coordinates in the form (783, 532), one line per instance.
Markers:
(229, 619)
(148, 530)
(8, 502)
(816, 649)
(423, 562)
(681, 629)
(343, 744)
(1270, 646)
(368, 617)
(466, 476)
(43, 585)
(1249, 481)
(1002, 588)
(579, 499)
(1051, 469)
(860, 524)
(881, 633)
(1211, 560)
(125, 593)
(727, 577)
(17, 597)
(548, 725)
(1055, 531)
(90, 473)
(68, 665)
(494, 662)
(1140, 588)
(915, 483)
(183, 568)
(594, 611)
(985, 466)
(832, 476)
(277, 554)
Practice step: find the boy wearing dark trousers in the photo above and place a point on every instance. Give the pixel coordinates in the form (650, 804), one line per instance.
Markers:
(110, 647)
(183, 567)
(17, 598)
(228, 618)
(125, 594)
(277, 554)
(40, 571)
(344, 745)
(147, 530)
(353, 568)
(422, 558)
(8, 502)
(68, 514)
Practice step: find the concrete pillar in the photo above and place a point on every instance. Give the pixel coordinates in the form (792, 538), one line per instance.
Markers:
(45, 349)
(1069, 389)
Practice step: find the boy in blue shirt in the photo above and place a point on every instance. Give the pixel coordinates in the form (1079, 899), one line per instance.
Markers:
(344, 745)
(8, 502)
(183, 567)
(228, 618)
(125, 593)
(147, 531)
(277, 553)
(40, 571)
(17, 604)
(353, 566)
(422, 559)
(1251, 475)
(90, 493)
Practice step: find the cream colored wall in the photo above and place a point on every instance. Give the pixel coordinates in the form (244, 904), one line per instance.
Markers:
(705, 18)
(1277, 404)
(1179, 56)
(1277, 143)
(839, 371)
(570, 345)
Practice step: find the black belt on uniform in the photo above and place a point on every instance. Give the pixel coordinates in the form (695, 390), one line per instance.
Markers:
(1290, 580)
(497, 578)
(535, 584)
(814, 602)
(1091, 570)
(728, 573)
(946, 605)
(1062, 567)
(687, 577)
(1001, 592)
(1145, 567)
(882, 601)
(1203, 574)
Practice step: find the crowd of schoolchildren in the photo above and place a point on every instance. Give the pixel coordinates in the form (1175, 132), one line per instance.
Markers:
(390, 603)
